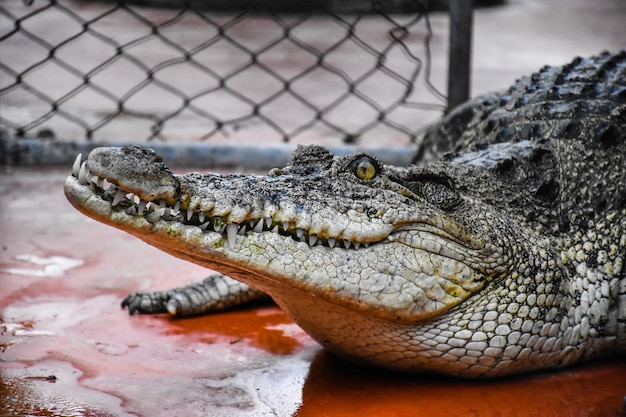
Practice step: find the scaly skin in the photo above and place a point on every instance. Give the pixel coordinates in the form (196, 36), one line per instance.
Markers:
(494, 261)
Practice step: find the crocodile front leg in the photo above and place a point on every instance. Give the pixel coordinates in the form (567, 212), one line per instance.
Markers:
(214, 293)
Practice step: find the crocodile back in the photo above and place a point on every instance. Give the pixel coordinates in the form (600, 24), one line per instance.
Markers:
(584, 100)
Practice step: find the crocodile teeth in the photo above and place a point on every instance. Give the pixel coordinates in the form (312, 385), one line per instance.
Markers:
(331, 242)
(155, 216)
(201, 216)
(119, 195)
(259, 227)
(231, 234)
(82, 174)
(312, 240)
(189, 213)
(76, 165)
(142, 206)
(346, 244)
(299, 233)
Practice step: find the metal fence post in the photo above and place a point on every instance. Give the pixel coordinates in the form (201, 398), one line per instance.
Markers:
(460, 52)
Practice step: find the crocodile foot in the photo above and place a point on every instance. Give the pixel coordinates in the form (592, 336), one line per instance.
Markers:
(216, 292)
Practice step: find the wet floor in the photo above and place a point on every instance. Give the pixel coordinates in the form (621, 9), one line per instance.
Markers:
(67, 348)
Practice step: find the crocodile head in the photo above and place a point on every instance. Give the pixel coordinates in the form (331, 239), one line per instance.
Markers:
(335, 241)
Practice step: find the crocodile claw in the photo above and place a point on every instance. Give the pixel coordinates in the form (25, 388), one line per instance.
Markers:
(146, 303)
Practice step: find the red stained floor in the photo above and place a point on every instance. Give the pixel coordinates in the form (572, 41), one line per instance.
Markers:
(67, 349)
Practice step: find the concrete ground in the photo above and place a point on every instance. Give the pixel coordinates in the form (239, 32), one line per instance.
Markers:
(67, 349)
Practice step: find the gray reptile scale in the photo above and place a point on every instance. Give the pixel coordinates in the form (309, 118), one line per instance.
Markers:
(504, 253)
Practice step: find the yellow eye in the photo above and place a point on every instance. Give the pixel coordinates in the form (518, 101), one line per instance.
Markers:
(365, 168)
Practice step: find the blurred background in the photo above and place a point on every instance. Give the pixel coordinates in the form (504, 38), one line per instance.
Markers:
(332, 72)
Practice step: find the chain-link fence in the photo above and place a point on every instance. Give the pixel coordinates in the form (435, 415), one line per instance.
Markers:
(123, 71)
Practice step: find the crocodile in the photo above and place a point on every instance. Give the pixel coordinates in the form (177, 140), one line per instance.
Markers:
(505, 255)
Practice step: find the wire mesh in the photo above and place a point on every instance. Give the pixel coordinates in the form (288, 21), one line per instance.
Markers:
(104, 71)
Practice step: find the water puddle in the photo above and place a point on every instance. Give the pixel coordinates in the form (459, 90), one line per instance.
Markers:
(52, 267)
(51, 388)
